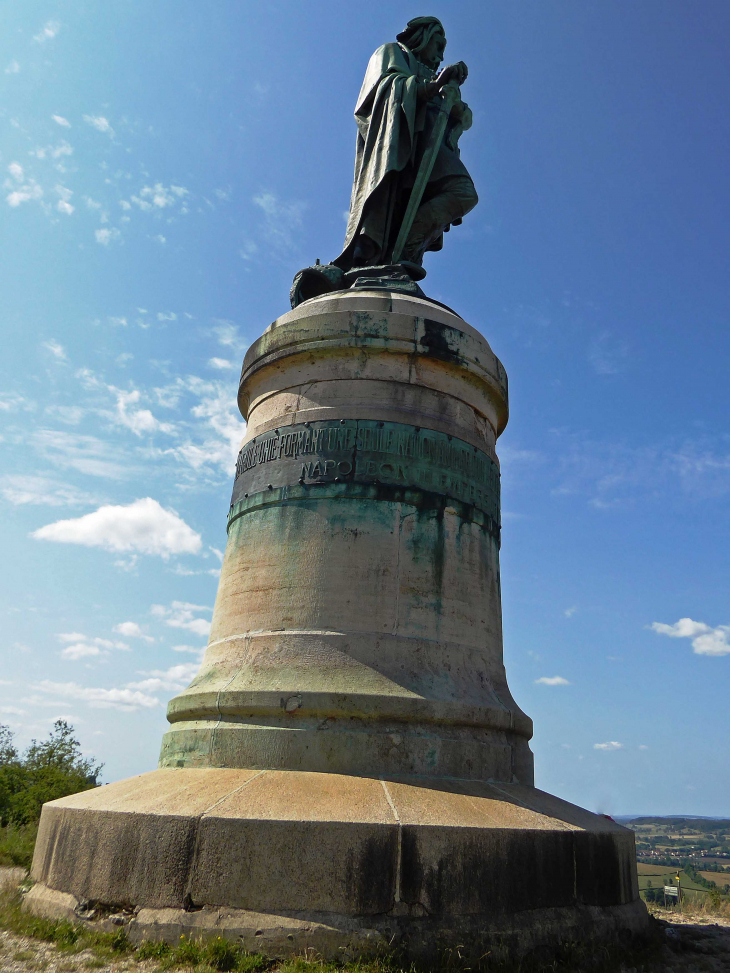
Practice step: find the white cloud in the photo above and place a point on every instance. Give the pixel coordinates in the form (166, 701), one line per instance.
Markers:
(216, 407)
(181, 614)
(80, 651)
(705, 639)
(100, 123)
(11, 401)
(160, 238)
(47, 32)
(12, 68)
(106, 235)
(63, 207)
(189, 649)
(138, 420)
(20, 190)
(55, 349)
(60, 150)
(611, 745)
(220, 363)
(143, 526)
(569, 612)
(159, 197)
(78, 646)
(132, 630)
(21, 490)
(228, 336)
(552, 681)
(60, 120)
(643, 746)
(171, 680)
(127, 700)
(166, 316)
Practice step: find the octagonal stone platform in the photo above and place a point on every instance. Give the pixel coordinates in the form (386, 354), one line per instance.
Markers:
(289, 861)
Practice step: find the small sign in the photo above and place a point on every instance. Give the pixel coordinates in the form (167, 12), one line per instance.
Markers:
(671, 890)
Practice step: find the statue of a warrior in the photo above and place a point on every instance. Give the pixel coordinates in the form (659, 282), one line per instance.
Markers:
(398, 105)
(410, 184)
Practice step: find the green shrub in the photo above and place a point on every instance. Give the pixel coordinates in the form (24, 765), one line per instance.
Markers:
(17, 842)
(46, 771)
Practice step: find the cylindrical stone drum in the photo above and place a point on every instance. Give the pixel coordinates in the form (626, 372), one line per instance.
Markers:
(357, 628)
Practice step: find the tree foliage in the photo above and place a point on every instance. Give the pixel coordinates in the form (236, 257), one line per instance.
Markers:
(46, 771)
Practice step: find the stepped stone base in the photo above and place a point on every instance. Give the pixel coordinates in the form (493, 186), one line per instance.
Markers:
(289, 860)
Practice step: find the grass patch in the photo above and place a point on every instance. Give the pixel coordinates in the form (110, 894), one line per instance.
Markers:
(212, 955)
(67, 936)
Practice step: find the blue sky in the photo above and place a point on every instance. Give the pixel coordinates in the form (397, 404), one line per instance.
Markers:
(167, 167)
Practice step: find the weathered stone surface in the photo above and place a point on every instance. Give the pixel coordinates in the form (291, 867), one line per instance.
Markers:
(359, 857)
(349, 761)
(357, 627)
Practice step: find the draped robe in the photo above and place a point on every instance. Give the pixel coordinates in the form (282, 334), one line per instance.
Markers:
(392, 127)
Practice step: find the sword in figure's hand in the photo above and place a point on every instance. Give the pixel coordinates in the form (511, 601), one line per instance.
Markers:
(449, 94)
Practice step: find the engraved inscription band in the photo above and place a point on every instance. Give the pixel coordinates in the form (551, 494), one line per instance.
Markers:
(368, 452)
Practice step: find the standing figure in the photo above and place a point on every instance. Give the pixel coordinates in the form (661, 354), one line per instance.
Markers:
(398, 105)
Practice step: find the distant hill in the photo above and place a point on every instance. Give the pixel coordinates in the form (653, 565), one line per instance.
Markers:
(721, 823)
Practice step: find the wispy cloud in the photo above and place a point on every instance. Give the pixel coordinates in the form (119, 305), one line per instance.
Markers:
(78, 646)
(143, 526)
(169, 680)
(552, 681)
(126, 700)
(220, 363)
(610, 474)
(38, 490)
(182, 614)
(611, 745)
(132, 630)
(47, 32)
(60, 120)
(281, 219)
(87, 454)
(12, 68)
(159, 197)
(100, 123)
(607, 355)
(56, 349)
(106, 235)
(195, 650)
(139, 421)
(706, 640)
(22, 189)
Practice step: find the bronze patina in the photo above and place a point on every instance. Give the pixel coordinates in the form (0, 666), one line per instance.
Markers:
(410, 184)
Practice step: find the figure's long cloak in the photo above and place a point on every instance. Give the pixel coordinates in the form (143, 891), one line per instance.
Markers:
(388, 119)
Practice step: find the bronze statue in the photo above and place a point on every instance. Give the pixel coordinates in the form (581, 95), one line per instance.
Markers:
(410, 184)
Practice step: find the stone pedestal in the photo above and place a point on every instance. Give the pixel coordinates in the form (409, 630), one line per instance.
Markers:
(349, 766)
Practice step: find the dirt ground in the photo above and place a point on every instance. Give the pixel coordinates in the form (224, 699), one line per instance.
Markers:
(19, 954)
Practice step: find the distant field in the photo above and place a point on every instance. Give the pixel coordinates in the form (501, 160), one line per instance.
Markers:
(659, 876)
(654, 869)
(719, 878)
